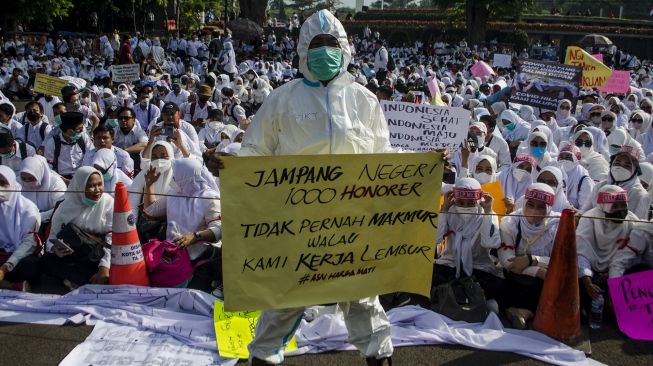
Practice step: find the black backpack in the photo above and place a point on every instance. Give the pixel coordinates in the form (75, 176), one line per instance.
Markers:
(57, 151)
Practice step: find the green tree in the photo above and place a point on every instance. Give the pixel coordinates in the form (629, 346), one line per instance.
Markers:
(479, 12)
(16, 11)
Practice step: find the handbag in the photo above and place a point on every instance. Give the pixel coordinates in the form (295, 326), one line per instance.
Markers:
(149, 228)
(86, 246)
(460, 299)
(167, 264)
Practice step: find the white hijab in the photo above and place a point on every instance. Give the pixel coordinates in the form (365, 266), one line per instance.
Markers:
(95, 219)
(106, 159)
(561, 201)
(46, 180)
(545, 235)
(606, 234)
(191, 178)
(465, 230)
(511, 187)
(18, 215)
(161, 186)
(575, 175)
(490, 159)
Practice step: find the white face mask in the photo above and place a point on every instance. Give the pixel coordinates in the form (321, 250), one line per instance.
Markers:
(565, 113)
(520, 174)
(483, 177)
(466, 211)
(4, 195)
(215, 125)
(620, 174)
(631, 105)
(584, 150)
(161, 165)
(567, 165)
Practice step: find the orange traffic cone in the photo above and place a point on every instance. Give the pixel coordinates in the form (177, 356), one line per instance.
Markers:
(127, 263)
(558, 312)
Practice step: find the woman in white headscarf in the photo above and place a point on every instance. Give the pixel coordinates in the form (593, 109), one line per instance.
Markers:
(554, 178)
(483, 168)
(620, 138)
(210, 136)
(105, 162)
(632, 102)
(161, 155)
(41, 185)
(646, 139)
(513, 128)
(516, 179)
(624, 172)
(526, 242)
(225, 137)
(536, 146)
(598, 241)
(639, 125)
(87, 206)
(19, 223)
(596, 165)
(469, 238)
(563, 115)
(527, 113)
(193, 213)
(540, 126)
(646, 180)
(579, 183)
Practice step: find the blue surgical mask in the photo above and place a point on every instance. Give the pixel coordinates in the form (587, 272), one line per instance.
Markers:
(538, 152)
(324, 62)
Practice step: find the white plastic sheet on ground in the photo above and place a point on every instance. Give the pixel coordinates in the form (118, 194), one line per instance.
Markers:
(186, 316)
(113, 344)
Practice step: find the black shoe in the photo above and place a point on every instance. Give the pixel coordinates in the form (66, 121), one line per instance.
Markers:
(259, 362)
(385, 361)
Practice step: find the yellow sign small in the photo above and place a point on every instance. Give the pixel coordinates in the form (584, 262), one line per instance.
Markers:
(595, 73)
(235, 330)
(49, 85)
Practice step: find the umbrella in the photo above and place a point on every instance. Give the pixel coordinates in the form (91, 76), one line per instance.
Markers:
(595, 40)
(245, 29)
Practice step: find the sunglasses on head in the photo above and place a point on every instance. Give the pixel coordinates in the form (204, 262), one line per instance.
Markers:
(581, 143)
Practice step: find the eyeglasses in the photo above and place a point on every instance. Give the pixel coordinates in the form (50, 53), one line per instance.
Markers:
(581, 143)
(607, 119)
(538, 144)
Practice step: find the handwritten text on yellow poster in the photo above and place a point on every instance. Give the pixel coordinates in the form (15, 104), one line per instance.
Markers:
(234, 331)
(307, 230)
(49, 85)
(595, 73)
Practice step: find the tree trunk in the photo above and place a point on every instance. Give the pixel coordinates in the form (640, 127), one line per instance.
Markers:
(477, 16)
(253, 10)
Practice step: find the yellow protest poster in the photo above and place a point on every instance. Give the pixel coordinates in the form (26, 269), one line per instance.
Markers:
(49, 85)
(307, 230)
(496, 191)
(235, 330)
(595, 73)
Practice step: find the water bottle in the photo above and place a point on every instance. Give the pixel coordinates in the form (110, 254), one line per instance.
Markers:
(596, 312)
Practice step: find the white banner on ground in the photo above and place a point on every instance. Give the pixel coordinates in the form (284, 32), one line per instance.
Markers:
(123, 73)
(113, 344)
(425, 127)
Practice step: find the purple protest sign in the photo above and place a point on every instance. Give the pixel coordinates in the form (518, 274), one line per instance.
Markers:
(632, 298)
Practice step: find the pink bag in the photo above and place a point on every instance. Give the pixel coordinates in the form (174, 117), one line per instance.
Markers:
(167, 265)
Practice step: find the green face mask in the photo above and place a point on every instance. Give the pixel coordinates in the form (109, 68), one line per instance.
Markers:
(324, 62)
(511, 126)
(112, 123)
(57, 120)
(89, 202)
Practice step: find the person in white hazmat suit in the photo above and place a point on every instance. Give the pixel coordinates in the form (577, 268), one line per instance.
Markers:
(326, 112)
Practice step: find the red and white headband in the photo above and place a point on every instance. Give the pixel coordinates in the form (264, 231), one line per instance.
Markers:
(467, 194)
(612, 197)
(540, 196)
(520, 158)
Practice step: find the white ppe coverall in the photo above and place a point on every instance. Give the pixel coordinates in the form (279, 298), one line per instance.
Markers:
(304, 117)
